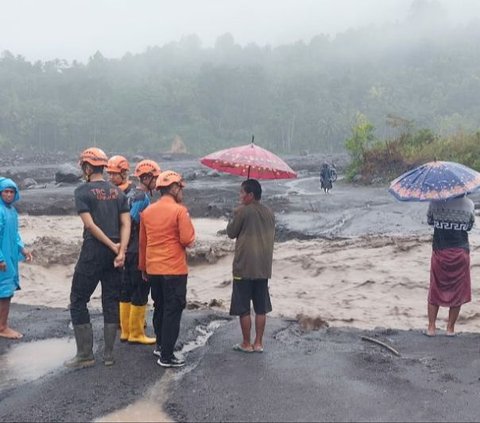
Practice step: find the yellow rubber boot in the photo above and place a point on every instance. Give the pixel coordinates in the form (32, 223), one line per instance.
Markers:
(125, 321)
(137, 330)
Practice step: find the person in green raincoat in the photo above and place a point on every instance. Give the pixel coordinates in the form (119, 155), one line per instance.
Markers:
(12, 251)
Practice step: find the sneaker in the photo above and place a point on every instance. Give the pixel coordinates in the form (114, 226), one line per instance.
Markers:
(172, 362)
(157, 351)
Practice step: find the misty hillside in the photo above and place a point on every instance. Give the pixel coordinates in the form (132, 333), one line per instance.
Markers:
(297, 97)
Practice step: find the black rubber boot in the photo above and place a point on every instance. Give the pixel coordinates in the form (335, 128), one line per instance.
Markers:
(84, 340)
(109, 335)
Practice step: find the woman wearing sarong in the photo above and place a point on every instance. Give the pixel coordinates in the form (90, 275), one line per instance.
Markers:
(450, 262)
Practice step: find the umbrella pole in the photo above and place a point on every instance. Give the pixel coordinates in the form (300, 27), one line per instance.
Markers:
(248, 173)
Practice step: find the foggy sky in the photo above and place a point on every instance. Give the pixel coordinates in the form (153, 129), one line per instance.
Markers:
(76, 29)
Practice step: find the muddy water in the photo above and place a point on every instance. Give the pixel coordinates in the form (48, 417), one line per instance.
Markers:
(142, 411)
(29, 361)
(150, 408)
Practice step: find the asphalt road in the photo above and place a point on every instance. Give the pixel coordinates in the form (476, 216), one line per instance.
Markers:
(320, 375)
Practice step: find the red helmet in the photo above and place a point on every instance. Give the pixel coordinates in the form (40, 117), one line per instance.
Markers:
(147, 166)
(169, 177)
(94, 156)
(117, 164)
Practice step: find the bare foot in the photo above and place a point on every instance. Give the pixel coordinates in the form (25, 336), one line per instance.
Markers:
(429, 332)
(258, 347)
(10, 334)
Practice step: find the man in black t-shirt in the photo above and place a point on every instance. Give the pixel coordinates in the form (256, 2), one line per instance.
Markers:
(104, 211)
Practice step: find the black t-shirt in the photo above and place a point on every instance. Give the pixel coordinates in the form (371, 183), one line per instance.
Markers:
(105, 202)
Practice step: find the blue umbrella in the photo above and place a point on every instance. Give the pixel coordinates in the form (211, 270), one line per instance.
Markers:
(435, 181)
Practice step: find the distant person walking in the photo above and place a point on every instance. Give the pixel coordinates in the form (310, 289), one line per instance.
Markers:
(450, 263)
(104, 211)
(166, 230)
(326, 177)
(253, 227)
(12, 251)
(134, 291)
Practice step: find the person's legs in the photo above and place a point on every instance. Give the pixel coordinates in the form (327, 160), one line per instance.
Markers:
(5, 330)
(432, 318)
(262, 305)
(452, 319)
(174, 294)
(138, 310)
(82, 289)
(246, 326)
(260, 321)
(125, 302)
(111, 280)
(240, 306)
(156, 282)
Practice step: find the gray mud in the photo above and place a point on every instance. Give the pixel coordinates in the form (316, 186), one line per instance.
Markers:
(80, 395)
(304, 375)
(331, 375)
(303, 211)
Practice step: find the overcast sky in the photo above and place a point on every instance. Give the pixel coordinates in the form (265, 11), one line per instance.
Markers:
(75, 29)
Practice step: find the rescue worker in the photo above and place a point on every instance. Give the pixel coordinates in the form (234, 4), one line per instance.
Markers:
(165, 231)
(104, 211)
(117, 169)
(134, 293)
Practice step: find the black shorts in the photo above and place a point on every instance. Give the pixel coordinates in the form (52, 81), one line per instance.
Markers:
(246, 290)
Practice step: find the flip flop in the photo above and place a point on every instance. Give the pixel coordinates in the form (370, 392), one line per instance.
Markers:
(258, 350)
(451, 335)
(238, 347)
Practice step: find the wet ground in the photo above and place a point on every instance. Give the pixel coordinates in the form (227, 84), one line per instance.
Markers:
(318, 375)
(34, 385)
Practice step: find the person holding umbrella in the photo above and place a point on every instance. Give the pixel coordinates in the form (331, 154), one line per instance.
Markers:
(445, 185)
(253, 227)
(450, 263)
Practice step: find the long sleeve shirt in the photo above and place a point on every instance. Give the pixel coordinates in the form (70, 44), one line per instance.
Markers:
(253, 226)
(165, 231)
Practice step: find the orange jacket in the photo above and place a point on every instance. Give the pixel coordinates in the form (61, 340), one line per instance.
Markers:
(165, 231)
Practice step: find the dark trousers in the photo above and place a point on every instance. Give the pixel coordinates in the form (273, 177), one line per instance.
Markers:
(95, 265)
(169, 295)
(134, 288)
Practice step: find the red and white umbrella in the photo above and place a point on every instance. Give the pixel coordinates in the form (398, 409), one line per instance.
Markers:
(250, 161)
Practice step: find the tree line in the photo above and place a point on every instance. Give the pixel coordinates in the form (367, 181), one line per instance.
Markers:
(305, 96)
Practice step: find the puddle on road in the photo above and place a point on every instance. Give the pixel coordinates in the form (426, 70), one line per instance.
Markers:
(150, 409)
(141, 411)
(29, 361)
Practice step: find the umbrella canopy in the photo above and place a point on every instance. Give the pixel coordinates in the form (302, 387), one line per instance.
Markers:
(435, 181)
(250, 161)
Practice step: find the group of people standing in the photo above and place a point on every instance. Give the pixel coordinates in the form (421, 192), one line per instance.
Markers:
(131, 247)
(134, 246)
(128, 237)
